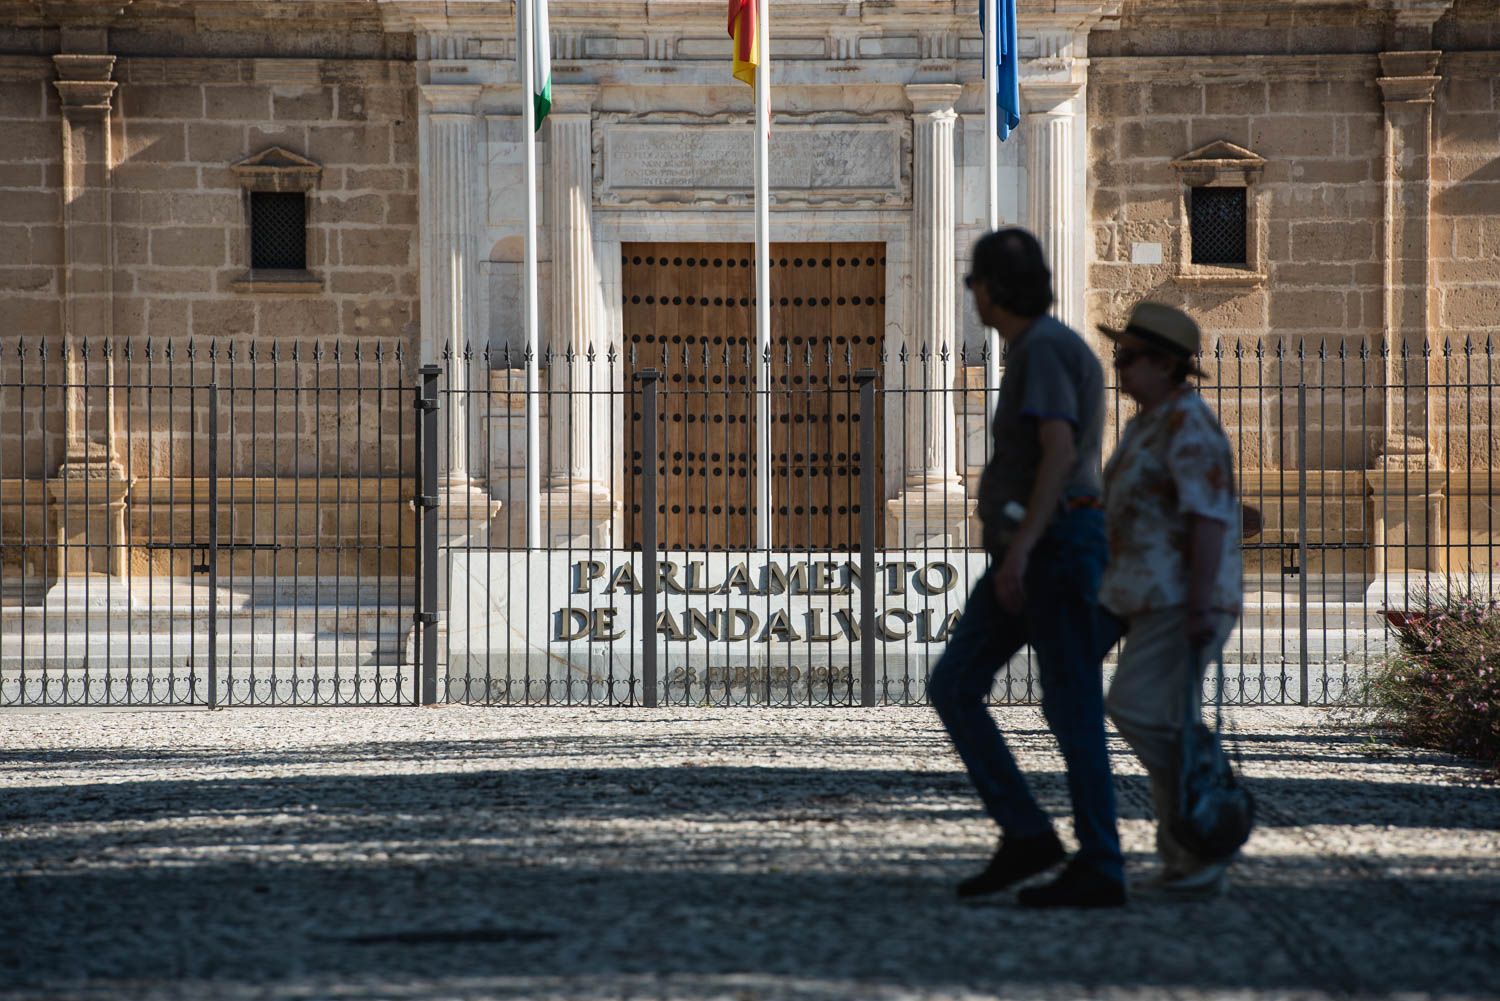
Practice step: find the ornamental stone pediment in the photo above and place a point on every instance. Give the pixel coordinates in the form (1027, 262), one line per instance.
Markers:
(1218, 152)
(678, 159)
(1219, 162)
(276, 169)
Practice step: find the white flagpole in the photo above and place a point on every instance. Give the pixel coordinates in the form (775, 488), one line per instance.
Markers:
(992, 194)
(525, 44)
(763, 518)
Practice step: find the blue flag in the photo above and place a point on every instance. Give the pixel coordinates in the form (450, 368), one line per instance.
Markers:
(1008, 65)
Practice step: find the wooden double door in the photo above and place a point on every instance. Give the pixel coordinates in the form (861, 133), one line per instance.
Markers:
(689, 314)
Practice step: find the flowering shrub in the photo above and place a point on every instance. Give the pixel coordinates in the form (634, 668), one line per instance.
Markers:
(1442, 687)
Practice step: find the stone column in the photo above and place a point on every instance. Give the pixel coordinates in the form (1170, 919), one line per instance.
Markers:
(576, 509)
(931, 509)
(1053, 212)
(451, 326)
(1405, 480)
(89, 492)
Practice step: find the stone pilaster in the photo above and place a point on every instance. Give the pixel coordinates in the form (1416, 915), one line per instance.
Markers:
(1407, 508)
(1054, 205)
(451, 325)
(932, 508)
(90, 488)
(576, 509)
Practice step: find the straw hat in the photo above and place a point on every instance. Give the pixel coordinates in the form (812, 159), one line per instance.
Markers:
(1162, 328)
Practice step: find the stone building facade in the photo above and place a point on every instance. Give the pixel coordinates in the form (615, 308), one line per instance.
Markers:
(1366, 139)
(1364, 135)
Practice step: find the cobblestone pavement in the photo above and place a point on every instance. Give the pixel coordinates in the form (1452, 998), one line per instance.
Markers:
(736, 854)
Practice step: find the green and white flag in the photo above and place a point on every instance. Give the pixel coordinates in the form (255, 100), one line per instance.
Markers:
(541, 65)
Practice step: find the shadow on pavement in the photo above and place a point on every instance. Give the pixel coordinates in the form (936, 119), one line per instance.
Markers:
(441, 866)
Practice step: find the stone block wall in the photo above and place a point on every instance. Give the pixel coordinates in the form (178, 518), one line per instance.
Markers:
(181, 217)
(31, 236)
(316, 453)
(1301, 88)
(1466, 253)
(315, 379)
(31, 255)
(1314, 301)
(181, 237)
(318, 529)
(180, 226)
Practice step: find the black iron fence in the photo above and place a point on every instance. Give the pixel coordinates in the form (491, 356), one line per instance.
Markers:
(222, 523)
(206, 523)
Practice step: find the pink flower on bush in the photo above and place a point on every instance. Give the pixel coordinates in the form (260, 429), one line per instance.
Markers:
(1440, 690)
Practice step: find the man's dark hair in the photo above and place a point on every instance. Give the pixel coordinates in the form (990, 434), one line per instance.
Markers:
(1010, 263)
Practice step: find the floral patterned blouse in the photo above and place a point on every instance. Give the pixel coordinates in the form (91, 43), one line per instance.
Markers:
(1172, 461)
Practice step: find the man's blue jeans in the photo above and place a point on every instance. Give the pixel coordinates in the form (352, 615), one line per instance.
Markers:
(1070, 633)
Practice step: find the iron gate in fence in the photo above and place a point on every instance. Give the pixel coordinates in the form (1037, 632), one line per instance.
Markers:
(201, 523)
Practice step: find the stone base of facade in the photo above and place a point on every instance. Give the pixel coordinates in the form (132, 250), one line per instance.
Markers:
(465, 514)
(145, 640)
(1407, 508)
(935, 517)
(89, 501)
(578, 516)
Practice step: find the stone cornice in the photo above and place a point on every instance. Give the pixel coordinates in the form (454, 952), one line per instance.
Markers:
(85, 96)
(204, 14)
(461, 15)
(933, 98)
(1043, 96)
(1412, 21)
(906, 42)
(84, 83)
(1416, 12)
(1409, 77)
(1238, 68)
(80, 13)
(1227, 15)
(84, 68)
(573, 99)
(450, 98)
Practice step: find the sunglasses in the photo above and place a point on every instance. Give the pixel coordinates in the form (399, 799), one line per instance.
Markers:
(1126, 357)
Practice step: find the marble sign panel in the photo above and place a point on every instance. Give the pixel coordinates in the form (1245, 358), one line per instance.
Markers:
(712, 162)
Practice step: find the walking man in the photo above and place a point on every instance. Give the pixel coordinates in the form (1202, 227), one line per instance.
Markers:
(1039, 502)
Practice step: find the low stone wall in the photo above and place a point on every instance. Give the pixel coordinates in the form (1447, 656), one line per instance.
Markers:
(350, 527)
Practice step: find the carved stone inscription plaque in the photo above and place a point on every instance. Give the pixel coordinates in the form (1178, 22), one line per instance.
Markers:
(694, 163)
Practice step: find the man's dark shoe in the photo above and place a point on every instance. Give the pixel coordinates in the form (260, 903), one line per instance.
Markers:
(1078, 885)
(1014, 860)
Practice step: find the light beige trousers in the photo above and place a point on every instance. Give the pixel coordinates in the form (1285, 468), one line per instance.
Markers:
(1147, 702)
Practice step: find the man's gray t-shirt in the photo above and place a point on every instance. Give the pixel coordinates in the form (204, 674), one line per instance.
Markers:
(1050, 373)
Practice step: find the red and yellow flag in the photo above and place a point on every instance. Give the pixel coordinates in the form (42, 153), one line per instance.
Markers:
(745, 31)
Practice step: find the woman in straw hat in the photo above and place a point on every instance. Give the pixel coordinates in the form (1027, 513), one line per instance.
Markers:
(1172, 520)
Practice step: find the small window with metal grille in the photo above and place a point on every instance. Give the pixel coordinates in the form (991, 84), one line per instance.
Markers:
(1218, 225)
(1222, 217)
(280, 214)
(278, 230)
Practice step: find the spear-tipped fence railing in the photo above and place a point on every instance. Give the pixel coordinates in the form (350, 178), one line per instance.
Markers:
(202, 521)
(275, 522)
(1354, 518)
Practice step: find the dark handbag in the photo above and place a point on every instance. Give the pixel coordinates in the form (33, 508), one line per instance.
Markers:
(1215, 812)
(1250, 521)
